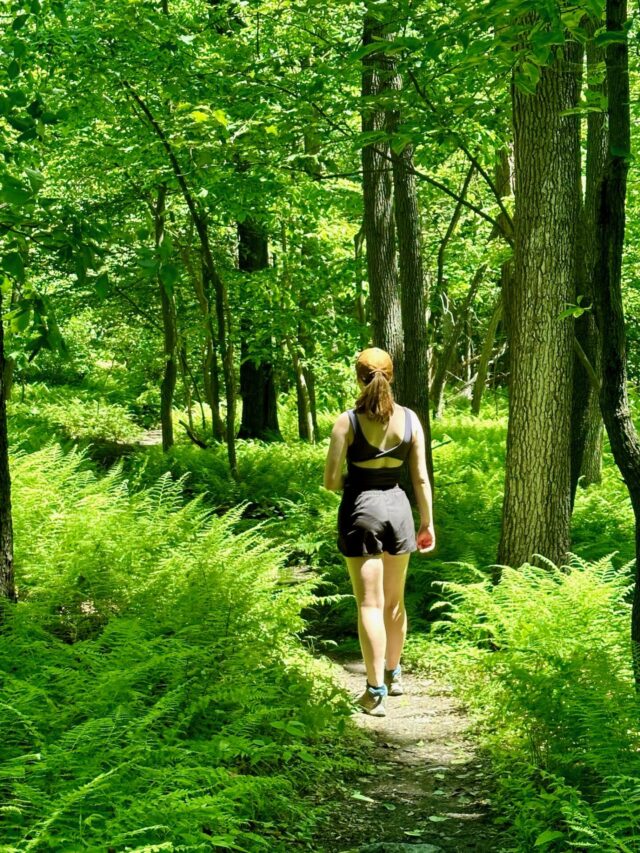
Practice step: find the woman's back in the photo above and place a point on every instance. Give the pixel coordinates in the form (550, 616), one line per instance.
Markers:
(380, 445)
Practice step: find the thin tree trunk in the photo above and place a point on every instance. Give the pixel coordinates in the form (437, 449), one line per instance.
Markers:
(167, 302)
(485, 356)
(536, 508)
(625, 443)
(7, 581)
(451, 343)
(210, 278)
(587, 330)
(384, 292)
(415, 391)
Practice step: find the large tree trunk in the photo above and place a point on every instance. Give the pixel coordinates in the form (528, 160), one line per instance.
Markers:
(384, 292)
(257, 386)
(536, 509)
(625, 444)
(7, 583)
(167, 302)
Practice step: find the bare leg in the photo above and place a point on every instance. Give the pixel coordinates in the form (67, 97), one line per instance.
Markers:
(395, 615)
(366, 579)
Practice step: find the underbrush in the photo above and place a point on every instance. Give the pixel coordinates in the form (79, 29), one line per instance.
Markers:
(156, 695)
(70, 414)
(543, 660)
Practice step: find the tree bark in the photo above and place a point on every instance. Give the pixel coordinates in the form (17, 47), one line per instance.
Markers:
(384, 291)
(257, 386)
(415, 391)
(536, 508)
(614, 403)
(7, 581)
(167, 302)
(587, 419)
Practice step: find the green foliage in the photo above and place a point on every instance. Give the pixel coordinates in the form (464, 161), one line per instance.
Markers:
(72, 414)
(543, 659)
(155, 693)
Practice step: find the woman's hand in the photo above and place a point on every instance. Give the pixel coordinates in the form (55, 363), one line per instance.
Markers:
(426, 538)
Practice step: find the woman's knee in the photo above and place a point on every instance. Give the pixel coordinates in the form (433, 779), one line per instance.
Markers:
(394, 608)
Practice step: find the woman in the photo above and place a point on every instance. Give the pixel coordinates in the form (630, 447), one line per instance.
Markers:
(376, 531)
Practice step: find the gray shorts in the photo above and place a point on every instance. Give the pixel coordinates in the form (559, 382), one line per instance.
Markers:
(375, 520)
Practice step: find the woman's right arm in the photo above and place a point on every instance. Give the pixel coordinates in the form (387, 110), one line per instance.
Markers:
(422, 489)
(333, 476)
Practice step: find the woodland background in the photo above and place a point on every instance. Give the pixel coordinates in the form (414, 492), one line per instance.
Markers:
(206, 209)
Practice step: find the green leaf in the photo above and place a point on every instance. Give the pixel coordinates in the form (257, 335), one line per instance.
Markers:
(13, 192)
(20, 321)
(356, 795)
(220, 117)
(102, 285)
(604, 37)
(547, 837)
(13, 264)
(19, 21)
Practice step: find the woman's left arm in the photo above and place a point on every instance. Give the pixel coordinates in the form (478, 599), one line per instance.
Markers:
(333, 476)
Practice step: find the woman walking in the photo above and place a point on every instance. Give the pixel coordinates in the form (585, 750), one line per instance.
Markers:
(376, 531)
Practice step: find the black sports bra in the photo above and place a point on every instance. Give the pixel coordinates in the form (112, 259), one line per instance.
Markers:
(360, 450)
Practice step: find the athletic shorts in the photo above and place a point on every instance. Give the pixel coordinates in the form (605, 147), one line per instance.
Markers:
(375, 520)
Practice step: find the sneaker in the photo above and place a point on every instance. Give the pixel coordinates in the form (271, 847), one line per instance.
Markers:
(372, 701)
(393, 681)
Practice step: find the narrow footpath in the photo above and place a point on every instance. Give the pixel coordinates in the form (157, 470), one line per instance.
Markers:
(429, 791)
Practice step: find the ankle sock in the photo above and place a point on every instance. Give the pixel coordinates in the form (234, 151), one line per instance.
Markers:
(377, 691)
(394, 672)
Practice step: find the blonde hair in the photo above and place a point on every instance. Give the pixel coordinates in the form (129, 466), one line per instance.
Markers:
(376, 398)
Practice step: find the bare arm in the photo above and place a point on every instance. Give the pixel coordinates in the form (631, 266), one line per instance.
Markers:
(333, 476)
(421, 487)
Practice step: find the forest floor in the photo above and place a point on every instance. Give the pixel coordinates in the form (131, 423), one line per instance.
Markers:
(429, 791)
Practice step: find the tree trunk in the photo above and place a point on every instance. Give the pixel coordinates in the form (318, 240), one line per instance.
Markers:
(7, 582)
(586, 328)
(211, 277)
(415, 390)
(614, 403)
(167, 302)
(384, 292)
(449, 346)
(257, 386)
(485, 357)
(536, 509)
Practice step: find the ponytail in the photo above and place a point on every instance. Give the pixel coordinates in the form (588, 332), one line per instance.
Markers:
(376, 398)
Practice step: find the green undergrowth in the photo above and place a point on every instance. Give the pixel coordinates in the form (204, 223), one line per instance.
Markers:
(543, 661)
(39, 413)
(156, 695)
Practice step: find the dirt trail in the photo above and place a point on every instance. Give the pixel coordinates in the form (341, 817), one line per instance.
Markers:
(430, 791)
